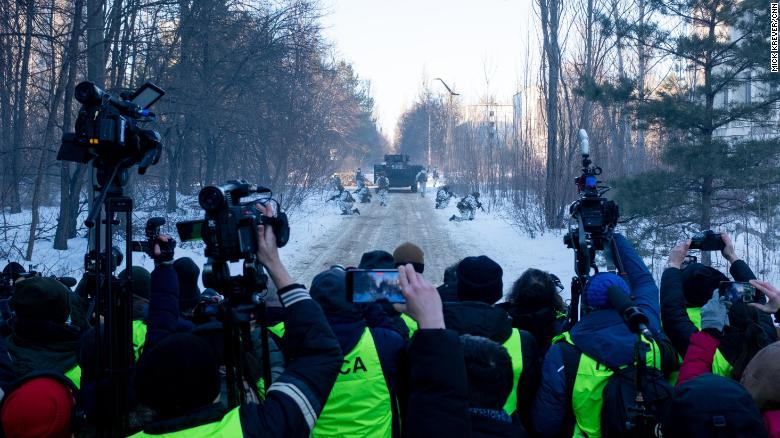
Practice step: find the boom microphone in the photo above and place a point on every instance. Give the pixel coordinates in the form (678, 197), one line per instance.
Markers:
(631, 314)
(584, 145)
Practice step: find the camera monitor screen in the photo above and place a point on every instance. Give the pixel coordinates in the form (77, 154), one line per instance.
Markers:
(737, 292)
(147, 95)
(369, 285)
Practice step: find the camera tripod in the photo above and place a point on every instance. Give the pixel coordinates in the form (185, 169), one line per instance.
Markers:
(112, 298)
(242, 305)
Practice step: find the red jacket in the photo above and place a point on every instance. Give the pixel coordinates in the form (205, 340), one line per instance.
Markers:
(699, 357)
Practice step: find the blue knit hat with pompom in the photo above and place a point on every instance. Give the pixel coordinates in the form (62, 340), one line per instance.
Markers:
(596, 291)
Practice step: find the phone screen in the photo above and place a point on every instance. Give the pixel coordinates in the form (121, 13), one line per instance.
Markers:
(737, 292)
(369, 285)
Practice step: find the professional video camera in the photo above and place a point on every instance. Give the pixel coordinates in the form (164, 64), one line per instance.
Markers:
(230, 233)
(593, 220)
(230, 227)
(108, 137)
(106, 128)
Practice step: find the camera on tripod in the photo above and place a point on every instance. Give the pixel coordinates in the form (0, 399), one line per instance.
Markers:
(107, 127)
(230, 233)
(230, 227)
(593, 220)
(595, 215)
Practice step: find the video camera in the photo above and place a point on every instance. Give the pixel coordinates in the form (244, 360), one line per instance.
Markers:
(106, 128)
(595, 215)
(230, 233)
(593, 220)
(230, 227)
(152, 233)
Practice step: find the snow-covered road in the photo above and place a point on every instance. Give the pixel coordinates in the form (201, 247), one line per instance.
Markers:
(328, 238)
(408, 217)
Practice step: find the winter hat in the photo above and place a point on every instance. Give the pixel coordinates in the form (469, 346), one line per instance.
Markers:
(409, 253)
(711, 405)
(376, 260)
(188, 273)
(760, 377)
(179, 374)
(41, 298)
(698, 283)
(14, 269)
(142, 281)
(329, 290)
(41, 407)
(480, 279)
(596, 296)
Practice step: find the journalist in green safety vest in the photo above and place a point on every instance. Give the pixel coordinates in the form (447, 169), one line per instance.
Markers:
(686, 287)
(363, 401)
(479, 286)
(605, 343)
(41, 337)
(167, 370)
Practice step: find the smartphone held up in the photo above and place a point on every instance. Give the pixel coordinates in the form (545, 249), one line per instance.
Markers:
(370, 285)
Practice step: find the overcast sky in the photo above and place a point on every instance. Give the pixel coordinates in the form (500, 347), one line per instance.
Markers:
(396, 43)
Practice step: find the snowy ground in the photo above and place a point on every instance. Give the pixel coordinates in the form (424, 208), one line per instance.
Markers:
(321, 237)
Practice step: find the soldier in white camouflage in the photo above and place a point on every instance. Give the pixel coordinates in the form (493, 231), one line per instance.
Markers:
(467, 207)
(345, 201)
(422, 182)
(443, 196)
(383, 185)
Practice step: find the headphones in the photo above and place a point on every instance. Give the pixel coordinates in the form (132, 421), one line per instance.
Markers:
(78, 417)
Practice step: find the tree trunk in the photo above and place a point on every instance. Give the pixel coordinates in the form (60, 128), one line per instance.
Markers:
(20, 124)
(70, 185)
(549, 14)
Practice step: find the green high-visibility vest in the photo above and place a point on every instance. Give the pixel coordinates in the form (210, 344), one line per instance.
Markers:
(589, 385)
(359, 404)
(410, 324)
(228, 427)
(514, 347)
(74, 374)
(139, 338)
(277, 329)
(720, 365)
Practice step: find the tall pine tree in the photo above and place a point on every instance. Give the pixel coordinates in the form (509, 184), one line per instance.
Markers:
(718, 125)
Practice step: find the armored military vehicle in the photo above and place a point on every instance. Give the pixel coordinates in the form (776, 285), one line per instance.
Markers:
(398, 171)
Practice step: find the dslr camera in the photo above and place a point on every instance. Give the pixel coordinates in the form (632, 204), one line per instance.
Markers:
(230, 226)
(107, 128)
(707, 241)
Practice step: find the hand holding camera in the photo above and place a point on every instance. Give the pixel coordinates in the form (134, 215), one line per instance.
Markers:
(715, 313)
(678, 254)
(423, 302)
(772, 296)
(728, 251)
(163, 250)
(268, 250)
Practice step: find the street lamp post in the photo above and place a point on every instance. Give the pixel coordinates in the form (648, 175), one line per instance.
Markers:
(449, 143)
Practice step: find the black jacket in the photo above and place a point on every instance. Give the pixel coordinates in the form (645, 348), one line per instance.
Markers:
(438, 403)
(295, 400)
(42, 345)
(479, 319)
(678, 325)
(486, 426)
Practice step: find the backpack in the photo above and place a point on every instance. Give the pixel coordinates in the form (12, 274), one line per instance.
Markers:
(619, 396)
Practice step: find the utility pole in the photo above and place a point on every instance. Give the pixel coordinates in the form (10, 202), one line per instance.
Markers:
(429, 137)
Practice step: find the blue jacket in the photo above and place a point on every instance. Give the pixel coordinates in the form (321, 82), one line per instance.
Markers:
(601, 335)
